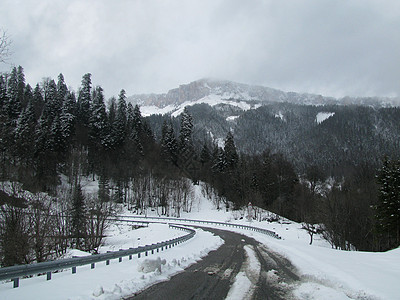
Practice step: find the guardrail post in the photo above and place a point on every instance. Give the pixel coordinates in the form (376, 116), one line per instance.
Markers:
(48, 275)
(107, 262)
(92, 265)
(138, 255)
(130, 257)
(120, 259)
(16, 282)
(73, 270)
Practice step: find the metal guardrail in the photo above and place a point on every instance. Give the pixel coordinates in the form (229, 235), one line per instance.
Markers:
(15, 272)
(251, 228)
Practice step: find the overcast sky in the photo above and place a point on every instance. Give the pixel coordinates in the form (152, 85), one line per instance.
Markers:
(329, 47)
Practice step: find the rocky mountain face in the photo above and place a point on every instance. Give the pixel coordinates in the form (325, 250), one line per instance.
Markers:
(233, 92)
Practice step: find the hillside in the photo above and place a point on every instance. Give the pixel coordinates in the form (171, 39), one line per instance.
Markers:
(330, 136)
(308, 129)
(214, 92)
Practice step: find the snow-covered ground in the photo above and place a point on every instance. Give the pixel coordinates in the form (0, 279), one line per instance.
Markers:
(118, 279)
(322, 116)
(212, 100)
(325, 273)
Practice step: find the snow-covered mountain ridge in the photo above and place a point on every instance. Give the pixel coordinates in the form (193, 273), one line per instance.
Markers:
(245, 96)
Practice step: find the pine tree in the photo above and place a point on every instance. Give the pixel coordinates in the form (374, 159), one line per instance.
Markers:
(205, 155)
(3, 119)
(186, 131)
(112, 110)
(119, 128)
(169, 145)
(3, 115)
(78, 217)
(84, 100)
(13, 104)
(3, 93)
(24, 132)
(56, 138)
(45, 158)
(68, 118)
(129, 120)
(38, 101)
(62, 90)
(147, 139)
(98, 121)
(230, 152)
(41, 135)
(21, 86)
(388, 207)
(52, 106)
(28, 95)
(137, 121)
(187, 155)
(104, 189)
(219, 161)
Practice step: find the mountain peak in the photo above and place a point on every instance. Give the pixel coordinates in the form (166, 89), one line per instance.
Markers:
(202, 90)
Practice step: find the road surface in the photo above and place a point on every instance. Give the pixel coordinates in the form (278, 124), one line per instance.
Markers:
(212, 277)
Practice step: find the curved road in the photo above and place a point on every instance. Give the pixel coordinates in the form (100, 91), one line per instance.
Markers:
(212, 277)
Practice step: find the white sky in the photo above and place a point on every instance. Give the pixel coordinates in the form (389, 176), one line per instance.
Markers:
(330, 47)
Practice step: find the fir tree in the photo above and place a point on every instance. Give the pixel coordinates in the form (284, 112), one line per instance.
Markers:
(28, 95)
(219, 160)
(169, 145)
(129, 116)
(186, 131)
(98, 121)
(62, 90)
(137, 121)
(205, 155)
(38, 101)
(3, 113)
(78, 217)
(112, 110)
(187, 155)
(3, 93)
(21, 85)
(84, 100)
(56, 137)
(231, 155)
(52, 104)
(24, 132)
(119, 128)
(68, 118)
(13, 104)
(388, 207)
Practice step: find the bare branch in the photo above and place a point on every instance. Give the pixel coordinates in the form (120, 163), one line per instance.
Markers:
(5, 44)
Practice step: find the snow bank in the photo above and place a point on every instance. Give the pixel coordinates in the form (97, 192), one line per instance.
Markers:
(151, 265)
(118, 279)
(246, 280)
(327, 273)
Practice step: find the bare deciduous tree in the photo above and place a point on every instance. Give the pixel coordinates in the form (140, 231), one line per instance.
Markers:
(5, 44)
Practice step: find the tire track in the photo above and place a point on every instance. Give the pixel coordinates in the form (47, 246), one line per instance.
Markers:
(213, 276)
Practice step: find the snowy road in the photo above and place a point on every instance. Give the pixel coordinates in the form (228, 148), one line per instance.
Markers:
(241, 268)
